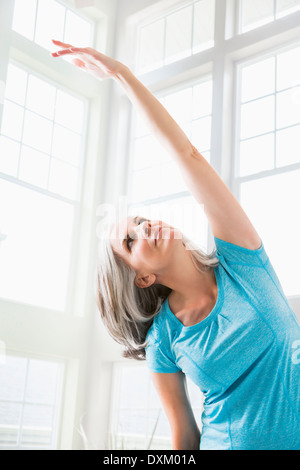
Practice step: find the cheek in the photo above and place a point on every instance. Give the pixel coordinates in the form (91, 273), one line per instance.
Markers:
(143, 252)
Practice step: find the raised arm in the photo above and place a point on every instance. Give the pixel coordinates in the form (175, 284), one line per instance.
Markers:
(172, 392)
(226, 217)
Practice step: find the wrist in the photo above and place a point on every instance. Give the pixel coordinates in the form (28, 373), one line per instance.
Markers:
(122, 74)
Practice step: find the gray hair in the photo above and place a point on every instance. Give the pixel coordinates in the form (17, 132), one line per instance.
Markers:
(127, 310)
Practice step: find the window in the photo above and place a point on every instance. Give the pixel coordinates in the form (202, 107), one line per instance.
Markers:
(42, 132)
(255, 13)
(268, 157)
(30, 396)
(48, 172)
(41, 143)
(181, 33)
(50, 19)
(138, 420)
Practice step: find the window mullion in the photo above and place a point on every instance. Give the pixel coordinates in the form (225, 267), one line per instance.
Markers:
(218, 86)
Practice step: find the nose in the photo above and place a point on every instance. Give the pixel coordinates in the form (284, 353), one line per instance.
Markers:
(144, 229)
(148, 228)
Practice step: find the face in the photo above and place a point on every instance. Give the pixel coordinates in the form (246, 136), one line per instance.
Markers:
(148, 246)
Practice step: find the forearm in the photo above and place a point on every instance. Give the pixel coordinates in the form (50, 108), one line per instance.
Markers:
(156, 117)
(181, 440)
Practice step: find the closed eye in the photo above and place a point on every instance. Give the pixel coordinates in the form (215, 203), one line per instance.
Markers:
(130, 239)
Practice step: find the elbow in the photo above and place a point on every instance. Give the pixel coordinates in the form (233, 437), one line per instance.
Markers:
(195, 154)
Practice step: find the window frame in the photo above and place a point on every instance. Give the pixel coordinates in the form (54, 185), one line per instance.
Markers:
(42, 332)
(58, 405)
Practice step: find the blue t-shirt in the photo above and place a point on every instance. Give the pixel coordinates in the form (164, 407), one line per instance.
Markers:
(244, 356)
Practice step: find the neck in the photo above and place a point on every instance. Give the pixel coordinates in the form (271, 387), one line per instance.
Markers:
(189, 285)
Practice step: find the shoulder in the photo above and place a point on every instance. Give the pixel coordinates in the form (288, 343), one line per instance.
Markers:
(155, 330)
(237, 254)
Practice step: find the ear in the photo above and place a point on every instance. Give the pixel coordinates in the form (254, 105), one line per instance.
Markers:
(145, 281)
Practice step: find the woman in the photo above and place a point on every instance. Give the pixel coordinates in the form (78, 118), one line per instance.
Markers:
(221, 319)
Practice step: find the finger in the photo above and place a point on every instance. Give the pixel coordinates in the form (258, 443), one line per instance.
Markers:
(62, 52)
(89, 52)
(80, 50)
(71, 50)
(61, 44)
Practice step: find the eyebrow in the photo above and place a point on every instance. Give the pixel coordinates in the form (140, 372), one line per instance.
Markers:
(126, 238)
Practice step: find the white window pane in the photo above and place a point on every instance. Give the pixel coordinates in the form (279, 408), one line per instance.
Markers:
(16, 83)
(148, 152)
(135, 384)
(35, 256)
(9, 156)
(41, 97)
(13, 375)
(204, 25)
(284, 7)
(275, 220)
(257, 117)
(172, 180)
(151, 52)
(24, 17)
(78, 31)
(288, 146)
(258, 79)
(256, 155)
(34, 167)
(255, 13)
(42, 381)
(37, 426)
(288, 70)
(10, 417)
(156, 181)
(135, 422)
(63, 179)
(201, 133)
(50, 23)
(202, 99)
(66, 145)
(179, 35)
(34, 383)
(37, 132)
(159, 421)
(12, 120)
(179, 105)
(146, 184)
(288, 107)
(69, 111)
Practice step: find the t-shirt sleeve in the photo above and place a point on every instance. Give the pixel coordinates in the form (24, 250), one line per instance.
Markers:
(157, 361)
(234, 254)
(158, 358)
(245, 262)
